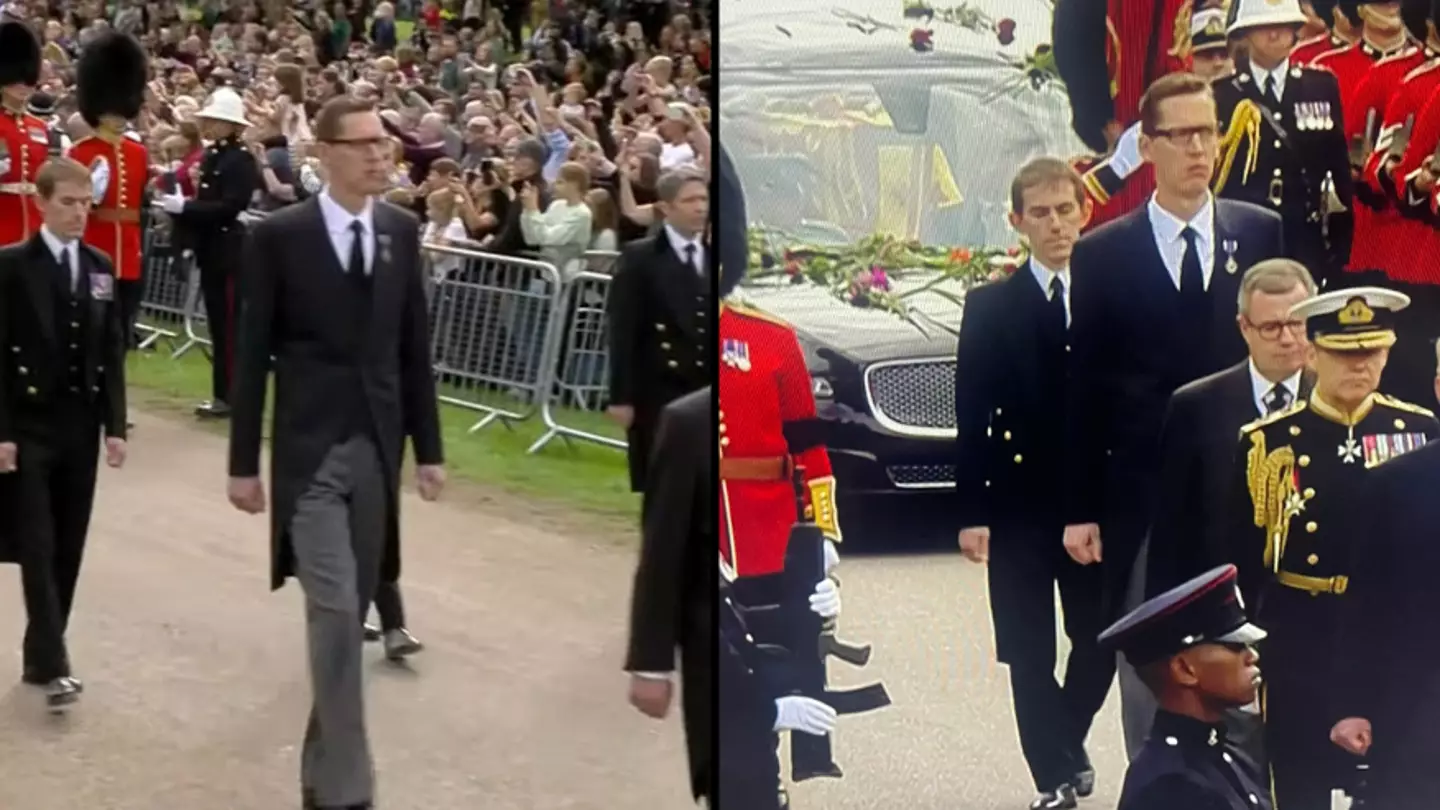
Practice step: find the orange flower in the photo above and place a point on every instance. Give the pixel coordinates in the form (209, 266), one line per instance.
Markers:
(960, 255)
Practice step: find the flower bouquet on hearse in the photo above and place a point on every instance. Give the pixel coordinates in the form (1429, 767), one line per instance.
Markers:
(879, 272)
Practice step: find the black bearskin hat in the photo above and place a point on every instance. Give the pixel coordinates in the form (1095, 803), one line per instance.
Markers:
(731, 242)
(1435, 12)
(19, 55)
(1325, 10)
(1351, 10)
(1416, 16)
(110, 79)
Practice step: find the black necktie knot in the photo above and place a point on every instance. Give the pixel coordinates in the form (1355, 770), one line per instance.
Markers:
(1057, 288)
(1278, 399)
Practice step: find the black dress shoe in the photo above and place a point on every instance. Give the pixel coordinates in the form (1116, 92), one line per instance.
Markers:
(1085, 783)
(399, 644)
(1061, 798)
(61, 693)
(213, 410)
(32, 677)
(372, 633)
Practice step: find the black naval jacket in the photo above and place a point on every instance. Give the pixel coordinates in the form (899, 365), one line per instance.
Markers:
(1311, 445)
(1299, 145)
(661, 330)
(673, 603)
(1187, 764)
(56, 347)
(229, 178)
(1386, 669)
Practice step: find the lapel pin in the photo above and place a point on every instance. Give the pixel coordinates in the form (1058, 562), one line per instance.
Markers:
(383, 240)
(1230, 246)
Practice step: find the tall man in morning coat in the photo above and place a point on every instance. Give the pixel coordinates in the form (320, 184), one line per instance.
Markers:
(352, 381)
(1009, 446)
(1153, 307)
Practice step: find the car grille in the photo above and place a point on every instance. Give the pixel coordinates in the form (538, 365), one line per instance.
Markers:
(913, 397)
(921, 476)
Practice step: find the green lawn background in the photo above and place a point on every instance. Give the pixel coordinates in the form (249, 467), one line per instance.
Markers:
(578, 476)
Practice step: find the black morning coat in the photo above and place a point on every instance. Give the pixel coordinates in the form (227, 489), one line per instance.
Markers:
(1129, 351)
(673, 605)
(290, 271)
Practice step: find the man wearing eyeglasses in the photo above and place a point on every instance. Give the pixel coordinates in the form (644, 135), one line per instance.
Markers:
(1152, 308)
(1188, 535)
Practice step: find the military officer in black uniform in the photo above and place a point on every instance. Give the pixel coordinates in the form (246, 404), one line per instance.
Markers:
(62, 384)
(1192, 646)
(661, 314)
(1283, 137)
(229, 179)
(1297, 477)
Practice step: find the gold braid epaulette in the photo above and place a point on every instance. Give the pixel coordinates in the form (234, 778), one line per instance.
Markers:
(1402, 405)
(1244, 126)
(1271, 480)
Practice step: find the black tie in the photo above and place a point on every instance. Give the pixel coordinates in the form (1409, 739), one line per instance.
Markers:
(1271, 96)
(1057, 302)
(1277, 400)
(67, 269)
(690, 259)
(356, 268)
(1192, 279)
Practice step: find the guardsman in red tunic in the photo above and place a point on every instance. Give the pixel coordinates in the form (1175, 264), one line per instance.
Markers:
(1382, 35)
(768, 428)
(111, 90)
(24, 141)
(768, 424)
(1108, 52)
(1340, 32)
(1397, 231)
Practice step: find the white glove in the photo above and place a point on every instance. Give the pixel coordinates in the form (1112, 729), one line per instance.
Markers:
(99, 179)
(4, 165)
(825, 601)
(832, 556)
(796, 713)
(171, 203)
(1127, 153)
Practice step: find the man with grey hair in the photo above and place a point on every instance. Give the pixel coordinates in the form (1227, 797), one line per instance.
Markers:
(1188, 531)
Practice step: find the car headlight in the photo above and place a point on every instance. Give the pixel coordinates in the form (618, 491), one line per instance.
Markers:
(821, 388)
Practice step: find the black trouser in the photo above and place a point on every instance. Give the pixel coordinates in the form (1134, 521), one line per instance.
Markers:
(56, 480)
(750, 776)
(1053, 719)
(390, 606)
(1304, 765)
(130, 294)
(217, 286)
(514, 13)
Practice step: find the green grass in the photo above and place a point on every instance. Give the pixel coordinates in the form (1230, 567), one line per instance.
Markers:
(580, 477)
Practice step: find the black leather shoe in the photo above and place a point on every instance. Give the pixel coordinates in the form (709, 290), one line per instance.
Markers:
(399, 644)
(213, 410)
(372, 633)
(1085, 783)
(32, 677)
(61, 693)
(1061, 798)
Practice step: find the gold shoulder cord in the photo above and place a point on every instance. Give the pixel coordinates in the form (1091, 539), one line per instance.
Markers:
(1271, 480)
(1244, 126)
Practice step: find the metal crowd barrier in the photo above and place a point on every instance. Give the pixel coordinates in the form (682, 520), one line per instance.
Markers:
(509, 337)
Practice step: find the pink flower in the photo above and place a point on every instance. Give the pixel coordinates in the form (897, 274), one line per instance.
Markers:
(792, 268)
(1005, 31)
(995, 275)
(879, 280)
(1014, 250)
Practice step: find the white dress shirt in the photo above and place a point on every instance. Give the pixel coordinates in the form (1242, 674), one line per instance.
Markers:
(679, 243)
(1044, 275)
(1260, 387)
(337, 224)
(1168, 229)
(1261, 75)
(67, 253)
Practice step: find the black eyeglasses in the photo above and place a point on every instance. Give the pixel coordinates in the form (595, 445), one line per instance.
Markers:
(1182, 136)
(1270, 330)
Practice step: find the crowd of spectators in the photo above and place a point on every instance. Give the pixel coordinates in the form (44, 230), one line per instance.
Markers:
(520, 127)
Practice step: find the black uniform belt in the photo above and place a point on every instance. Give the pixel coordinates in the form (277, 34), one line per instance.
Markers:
(773, 468)
(1314, 585)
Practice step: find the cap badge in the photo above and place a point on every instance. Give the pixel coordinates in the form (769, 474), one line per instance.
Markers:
(1356, 312)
